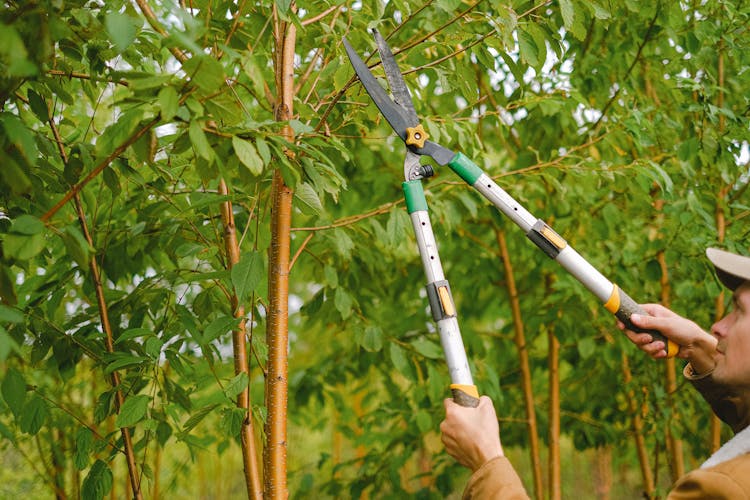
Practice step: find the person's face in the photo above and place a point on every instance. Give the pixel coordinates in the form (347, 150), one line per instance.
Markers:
(733, 334)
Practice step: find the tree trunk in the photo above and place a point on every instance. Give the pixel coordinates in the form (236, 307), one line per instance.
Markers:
(603, 472)
(649, 490)
(555, 486)
(523, 355)
(278, 276)
(239, 344)
(674, 445)
(721, 227)
(127, 440)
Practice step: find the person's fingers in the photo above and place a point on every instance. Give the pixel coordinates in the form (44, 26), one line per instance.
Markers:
(446, 403)
(657, 310)
(639, 338)
(662, 324)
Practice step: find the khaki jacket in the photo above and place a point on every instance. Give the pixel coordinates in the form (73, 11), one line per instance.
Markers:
(728, 480)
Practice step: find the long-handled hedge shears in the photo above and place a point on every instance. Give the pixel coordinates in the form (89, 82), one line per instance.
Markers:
(400, 114)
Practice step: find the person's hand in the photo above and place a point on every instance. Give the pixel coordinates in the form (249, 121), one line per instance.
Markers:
(695, 344)
(471, 435)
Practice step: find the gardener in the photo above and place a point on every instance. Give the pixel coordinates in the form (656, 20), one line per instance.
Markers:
(718, 367)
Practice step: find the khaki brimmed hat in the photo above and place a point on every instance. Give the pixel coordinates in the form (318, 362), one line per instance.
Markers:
(731, 269)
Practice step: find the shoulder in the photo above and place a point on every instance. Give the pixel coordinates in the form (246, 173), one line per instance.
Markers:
(728, 480)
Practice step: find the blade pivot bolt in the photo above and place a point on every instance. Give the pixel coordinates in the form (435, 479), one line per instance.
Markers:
(416, 136)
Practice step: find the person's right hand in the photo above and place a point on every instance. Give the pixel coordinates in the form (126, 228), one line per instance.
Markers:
(471, 435)
(695, 344)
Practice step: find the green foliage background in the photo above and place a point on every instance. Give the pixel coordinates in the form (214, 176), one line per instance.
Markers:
(591, 114)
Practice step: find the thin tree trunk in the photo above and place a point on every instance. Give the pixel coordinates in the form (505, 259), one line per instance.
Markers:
(603, 472)
(58, 465)
(721, 226)
(523, 355)
(239, 344)
(637, 423)
(674, 445)
(103, 310)
(277, 335)
(555, 486)
(109, 342)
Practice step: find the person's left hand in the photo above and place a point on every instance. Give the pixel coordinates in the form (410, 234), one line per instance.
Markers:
(471, 435)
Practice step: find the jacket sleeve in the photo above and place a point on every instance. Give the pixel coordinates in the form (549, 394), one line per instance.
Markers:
(495, 479)
(706, 483)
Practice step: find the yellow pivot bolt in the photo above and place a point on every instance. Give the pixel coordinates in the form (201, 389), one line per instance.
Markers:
(416, 136)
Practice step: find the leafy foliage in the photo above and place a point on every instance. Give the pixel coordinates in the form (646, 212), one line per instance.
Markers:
(591, 114)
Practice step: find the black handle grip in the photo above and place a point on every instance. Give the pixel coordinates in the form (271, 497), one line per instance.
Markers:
(627, 308)
(462, 397)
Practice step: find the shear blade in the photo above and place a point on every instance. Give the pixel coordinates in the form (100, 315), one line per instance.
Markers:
(394, 114)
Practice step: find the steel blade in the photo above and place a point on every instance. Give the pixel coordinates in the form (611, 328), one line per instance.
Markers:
(400, 91)
(393, 113)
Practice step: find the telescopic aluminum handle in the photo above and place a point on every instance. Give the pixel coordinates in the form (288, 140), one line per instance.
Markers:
(441, 300)
(614, 299)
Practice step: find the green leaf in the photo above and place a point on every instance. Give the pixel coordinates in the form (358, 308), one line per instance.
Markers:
(247, 155)
(372, 339)
(38, 106)
(132, 411)
(283, 6)
(34, 415)
(600, 12)
(196, 418)
(568, 13)
(122, 361)
(424, 421)
(399, 360)
(27, 225)
(343, 302)
(300, 128)
(14, 177)
(263, 150)
(231, 421)
(7, 344)
(586, 347)
(236, 385)
(396, 226)
(10, 315)
(427, 348)
(77, 246)
(98, 482)
(219, 326)
(6, 433)
(532, 46)
(13, 389)
(200, 142)
(307, 195)
(20, 136)
(112, 181)
(169, 101)
(133, 333)
(247, 274)
(84, 442)
(206, 72)
(121, 29)
(23, 247)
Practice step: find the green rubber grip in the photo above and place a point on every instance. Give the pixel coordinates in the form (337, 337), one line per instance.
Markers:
(414, 196)
(465, 168)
